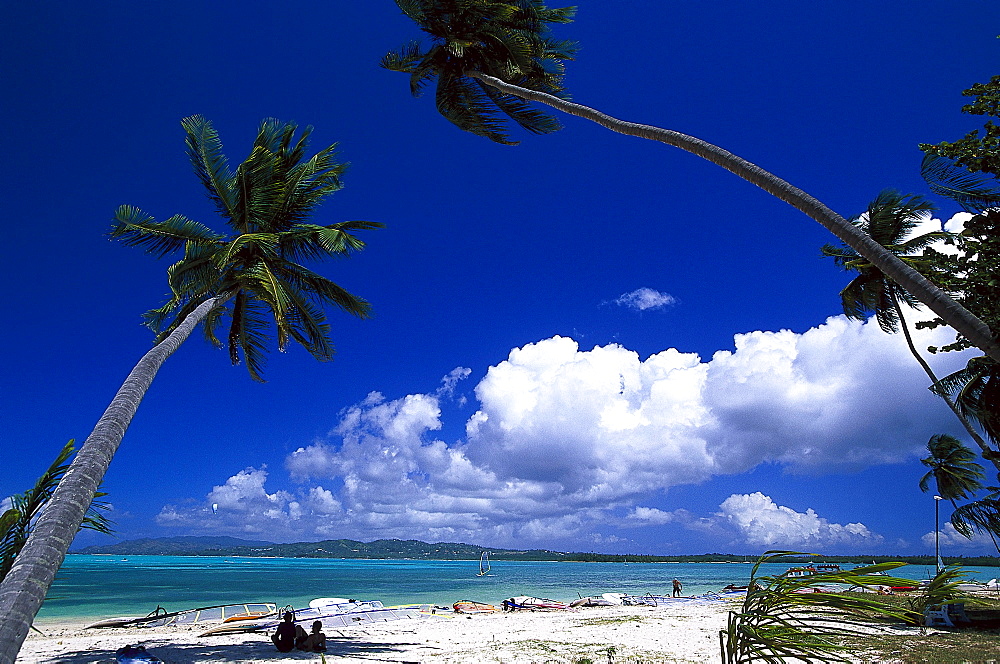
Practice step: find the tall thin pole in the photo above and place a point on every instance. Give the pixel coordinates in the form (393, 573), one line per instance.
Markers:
(937, 534)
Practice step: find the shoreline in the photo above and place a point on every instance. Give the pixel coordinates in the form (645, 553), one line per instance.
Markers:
(686, 632)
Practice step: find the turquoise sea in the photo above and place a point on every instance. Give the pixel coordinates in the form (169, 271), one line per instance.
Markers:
(98, 586)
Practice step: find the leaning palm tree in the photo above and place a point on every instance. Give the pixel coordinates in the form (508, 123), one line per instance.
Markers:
(252, 275)
(490, 57)
(890, 220)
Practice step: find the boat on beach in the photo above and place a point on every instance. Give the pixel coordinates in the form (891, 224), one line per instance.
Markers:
(334, 613)
(223, 613)
(606, 599)
(525, 603)
(811, 570)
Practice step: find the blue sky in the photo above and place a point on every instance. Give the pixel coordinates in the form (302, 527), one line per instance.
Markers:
(584, 342)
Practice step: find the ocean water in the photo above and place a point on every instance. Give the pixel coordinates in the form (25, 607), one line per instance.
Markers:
(99, 586)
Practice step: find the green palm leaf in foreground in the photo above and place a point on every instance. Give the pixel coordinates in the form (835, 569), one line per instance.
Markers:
(490, 58)
(17, 521)
(253, 275)
(784, 618)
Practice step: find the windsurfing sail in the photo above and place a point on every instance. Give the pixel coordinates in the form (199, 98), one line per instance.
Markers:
(334, 613)
(218, 613)
(484, 564)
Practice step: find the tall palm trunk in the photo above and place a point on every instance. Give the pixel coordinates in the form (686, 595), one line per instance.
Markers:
(25, 586)
(947, 399)
(937, 300)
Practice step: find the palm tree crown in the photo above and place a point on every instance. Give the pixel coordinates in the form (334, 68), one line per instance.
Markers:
(266, 202)
(507, 40)
(889, 220)
(953, 470)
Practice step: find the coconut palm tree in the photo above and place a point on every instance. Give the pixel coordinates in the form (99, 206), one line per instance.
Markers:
(490, 57)
(952, 468)
(890, 221)
(251, 274)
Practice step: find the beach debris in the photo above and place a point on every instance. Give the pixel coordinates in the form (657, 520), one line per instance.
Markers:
(134, 655)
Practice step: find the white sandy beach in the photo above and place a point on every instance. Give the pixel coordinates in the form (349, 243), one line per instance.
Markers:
(687, 632)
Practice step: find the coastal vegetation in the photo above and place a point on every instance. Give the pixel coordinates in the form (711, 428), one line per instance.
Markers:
(388, 549)
(252, 274)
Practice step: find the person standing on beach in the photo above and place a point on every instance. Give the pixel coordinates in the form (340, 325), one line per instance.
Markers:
(677, 588)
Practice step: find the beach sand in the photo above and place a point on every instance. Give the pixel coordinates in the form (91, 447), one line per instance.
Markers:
(685, 632)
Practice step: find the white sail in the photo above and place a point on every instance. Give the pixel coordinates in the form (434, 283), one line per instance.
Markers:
(484, 564)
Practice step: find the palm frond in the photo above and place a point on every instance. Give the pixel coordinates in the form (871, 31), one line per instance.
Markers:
(210, 164)
(782, 619)
(981, 515)
(975, 192)
(462, 101)
(135, 228)
(528, 117)
(248, 334)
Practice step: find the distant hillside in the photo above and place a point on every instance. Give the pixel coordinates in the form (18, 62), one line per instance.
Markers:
(172, 546)
(344, 548)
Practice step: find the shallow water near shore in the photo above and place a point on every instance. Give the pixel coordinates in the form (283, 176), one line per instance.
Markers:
(99, 586)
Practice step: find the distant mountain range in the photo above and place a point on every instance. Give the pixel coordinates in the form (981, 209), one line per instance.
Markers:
(343, 548)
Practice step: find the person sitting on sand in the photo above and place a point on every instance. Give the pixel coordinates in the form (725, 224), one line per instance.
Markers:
(284, 636)
(315, 642)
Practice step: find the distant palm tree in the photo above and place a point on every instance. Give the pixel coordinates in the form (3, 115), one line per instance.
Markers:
(252, 275)
(490, 56)
(952, 468)
(890, 220)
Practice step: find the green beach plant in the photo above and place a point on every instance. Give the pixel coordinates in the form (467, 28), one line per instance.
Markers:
(793, 617)
(17, 521)
(489, 58)
(942, 589)
(252, 274)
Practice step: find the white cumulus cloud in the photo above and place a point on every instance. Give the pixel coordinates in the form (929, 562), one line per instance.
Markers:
(567, 444)
(760, 521)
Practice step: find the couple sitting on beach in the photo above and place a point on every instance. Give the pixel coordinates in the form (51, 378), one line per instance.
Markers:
(289, 635)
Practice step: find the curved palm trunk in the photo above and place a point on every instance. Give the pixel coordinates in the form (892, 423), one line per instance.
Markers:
(937, 300)
(947, 399)
(25, 586)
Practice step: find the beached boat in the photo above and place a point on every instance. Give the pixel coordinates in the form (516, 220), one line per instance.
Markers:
(525, 603)
(811, 570)
(334, 613)
(160, 617)
(594, 600)
(484, 564)
(472, 607)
